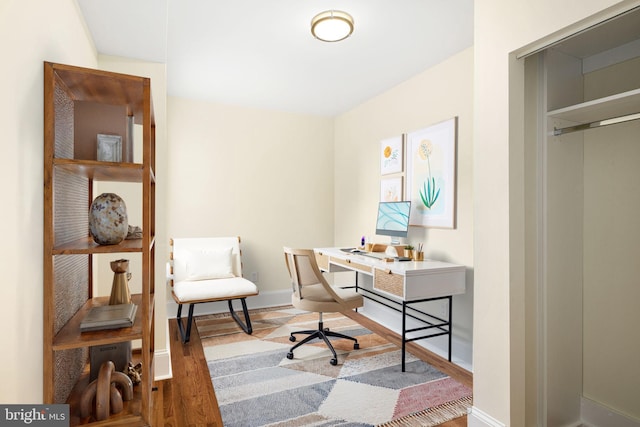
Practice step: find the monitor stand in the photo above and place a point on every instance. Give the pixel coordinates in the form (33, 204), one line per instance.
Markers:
(391, 247)
(391, 251)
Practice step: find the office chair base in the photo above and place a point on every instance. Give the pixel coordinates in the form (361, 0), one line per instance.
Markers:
(324, 334)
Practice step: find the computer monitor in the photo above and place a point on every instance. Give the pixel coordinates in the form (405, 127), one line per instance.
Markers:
(393, 220)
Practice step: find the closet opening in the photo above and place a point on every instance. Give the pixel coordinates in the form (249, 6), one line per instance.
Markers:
(582, 151)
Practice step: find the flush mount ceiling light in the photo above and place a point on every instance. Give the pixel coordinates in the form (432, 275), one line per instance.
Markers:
(332, 26)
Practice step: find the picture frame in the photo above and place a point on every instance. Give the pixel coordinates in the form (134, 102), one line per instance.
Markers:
(109, 148)
(391, 155)
(431, 175)
(391, 189)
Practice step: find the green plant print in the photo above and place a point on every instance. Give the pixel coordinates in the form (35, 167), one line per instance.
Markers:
(429, 192)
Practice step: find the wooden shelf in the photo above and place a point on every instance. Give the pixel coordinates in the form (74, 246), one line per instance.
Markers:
(71, 337)
(88, 246)
(103, 171)
(105, 87)
(618, 105)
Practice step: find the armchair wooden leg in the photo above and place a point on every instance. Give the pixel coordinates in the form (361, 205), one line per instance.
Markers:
(246, 325)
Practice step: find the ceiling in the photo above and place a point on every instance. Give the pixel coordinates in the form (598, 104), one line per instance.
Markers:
(260, 53)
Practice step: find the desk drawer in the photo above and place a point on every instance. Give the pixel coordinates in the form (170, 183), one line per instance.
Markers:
(386, 281)
(352, 265)
(323, 261)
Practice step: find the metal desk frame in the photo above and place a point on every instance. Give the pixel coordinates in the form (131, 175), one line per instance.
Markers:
(429, 321)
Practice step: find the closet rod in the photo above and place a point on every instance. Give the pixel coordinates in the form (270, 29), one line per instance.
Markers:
(596, 124)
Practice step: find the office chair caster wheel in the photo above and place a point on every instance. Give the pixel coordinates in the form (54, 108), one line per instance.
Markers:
(292, 338)
(356, 346)
(334, 361)
(290, 355)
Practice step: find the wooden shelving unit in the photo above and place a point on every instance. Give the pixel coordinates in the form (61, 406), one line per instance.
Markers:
(68, 247)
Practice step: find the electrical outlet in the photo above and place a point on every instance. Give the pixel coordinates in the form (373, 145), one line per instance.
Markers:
(254, 277)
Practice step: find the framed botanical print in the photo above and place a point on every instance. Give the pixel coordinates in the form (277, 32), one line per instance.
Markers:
(431, 175)
(391, 155)
(391, 189)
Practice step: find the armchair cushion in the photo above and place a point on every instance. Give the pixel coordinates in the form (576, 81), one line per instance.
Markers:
(214, 289)
(206, 264)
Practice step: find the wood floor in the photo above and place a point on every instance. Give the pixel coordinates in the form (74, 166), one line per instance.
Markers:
(188, 399)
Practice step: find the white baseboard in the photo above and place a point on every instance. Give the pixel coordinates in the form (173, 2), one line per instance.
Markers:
(479, 418)
(461, 349)
(162, 365)
(162, 361)
(594, 414)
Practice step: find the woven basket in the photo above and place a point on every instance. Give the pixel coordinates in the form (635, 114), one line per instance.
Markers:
(389, 282)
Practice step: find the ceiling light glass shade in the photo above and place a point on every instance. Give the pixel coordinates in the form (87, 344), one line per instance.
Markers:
(332, 25)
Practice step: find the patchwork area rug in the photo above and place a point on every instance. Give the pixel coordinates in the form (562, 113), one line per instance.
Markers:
(256, 385)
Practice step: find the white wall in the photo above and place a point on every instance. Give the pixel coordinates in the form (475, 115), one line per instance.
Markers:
(611, 269)
(437, 94)
(30, 32)
(266, 176)
(501, 28)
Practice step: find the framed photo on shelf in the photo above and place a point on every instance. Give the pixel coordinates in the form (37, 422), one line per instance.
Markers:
(431, 175)
(391, 189)
(391, 155)
(109, 148)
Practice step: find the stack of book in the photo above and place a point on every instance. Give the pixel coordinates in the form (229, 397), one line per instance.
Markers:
(109, 317)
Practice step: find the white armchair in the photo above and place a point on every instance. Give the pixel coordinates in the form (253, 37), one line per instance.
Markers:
(207, 269)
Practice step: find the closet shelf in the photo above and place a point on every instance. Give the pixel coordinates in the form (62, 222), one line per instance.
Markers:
(618, 105)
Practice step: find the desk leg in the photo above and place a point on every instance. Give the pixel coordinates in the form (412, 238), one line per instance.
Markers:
(450, 324)
(356, 271)
(404, 333)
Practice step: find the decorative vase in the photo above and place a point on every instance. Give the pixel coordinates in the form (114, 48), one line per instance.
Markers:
(120, 293)
(108, 223)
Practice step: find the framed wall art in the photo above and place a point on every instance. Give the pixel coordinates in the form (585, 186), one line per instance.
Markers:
(109, 148)
(391, 155)
(431, 175)
(391, 189)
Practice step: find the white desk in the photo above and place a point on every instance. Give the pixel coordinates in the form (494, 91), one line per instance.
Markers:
(398, 284)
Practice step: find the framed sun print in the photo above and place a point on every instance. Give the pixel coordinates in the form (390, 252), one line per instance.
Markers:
(391, 155)
(431, 175)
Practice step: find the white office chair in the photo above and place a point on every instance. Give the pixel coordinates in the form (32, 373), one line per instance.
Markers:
(207, 269)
